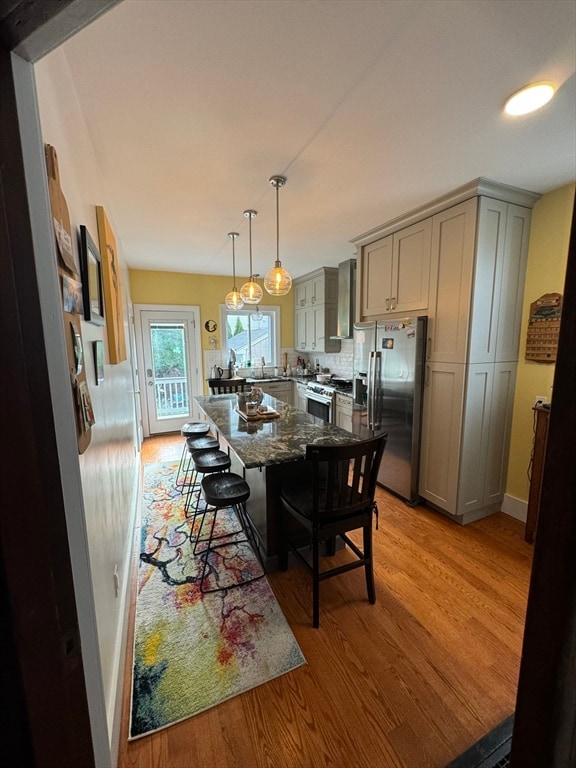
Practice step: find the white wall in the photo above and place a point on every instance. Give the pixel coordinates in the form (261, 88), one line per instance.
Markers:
(109, 467)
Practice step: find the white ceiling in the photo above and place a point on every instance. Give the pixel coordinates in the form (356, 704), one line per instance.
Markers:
(369, 107)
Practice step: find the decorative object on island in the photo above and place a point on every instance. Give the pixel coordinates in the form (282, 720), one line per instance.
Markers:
(91, 268)
(112, 289)
(544, 328)
(233, 299)
(251, 292)
(278, 281)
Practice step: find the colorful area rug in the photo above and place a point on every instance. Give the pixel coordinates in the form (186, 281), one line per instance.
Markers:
(193, 650)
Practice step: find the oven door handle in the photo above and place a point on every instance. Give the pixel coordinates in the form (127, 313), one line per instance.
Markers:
(318, 398)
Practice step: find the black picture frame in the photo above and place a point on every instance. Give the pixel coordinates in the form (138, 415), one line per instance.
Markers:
(91, 269)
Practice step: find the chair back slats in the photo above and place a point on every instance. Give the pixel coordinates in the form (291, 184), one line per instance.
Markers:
(344, 477)
(226, 386)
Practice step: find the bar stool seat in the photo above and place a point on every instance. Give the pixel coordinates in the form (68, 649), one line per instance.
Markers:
(204, 462)
(192, 445)
(194, 429)
(222, 491)
(190, 429)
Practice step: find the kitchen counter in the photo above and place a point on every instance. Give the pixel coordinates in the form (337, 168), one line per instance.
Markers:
(268, 454)
(274, 441)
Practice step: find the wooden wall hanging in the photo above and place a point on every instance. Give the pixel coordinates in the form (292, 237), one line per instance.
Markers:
(112, 289)
(544, 328)
(72, 305)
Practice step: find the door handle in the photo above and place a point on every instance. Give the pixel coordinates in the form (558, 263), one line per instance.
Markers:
(393, 303)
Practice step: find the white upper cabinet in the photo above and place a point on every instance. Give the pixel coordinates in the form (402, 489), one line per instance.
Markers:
(316, 311)
(395, 272)
(453, 239)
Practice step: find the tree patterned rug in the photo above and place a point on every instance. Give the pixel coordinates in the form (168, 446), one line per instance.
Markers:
(193, 651)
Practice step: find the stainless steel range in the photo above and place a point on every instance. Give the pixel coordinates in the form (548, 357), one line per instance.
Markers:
(320, 397)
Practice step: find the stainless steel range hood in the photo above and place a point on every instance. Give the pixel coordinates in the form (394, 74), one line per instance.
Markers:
(346, 299)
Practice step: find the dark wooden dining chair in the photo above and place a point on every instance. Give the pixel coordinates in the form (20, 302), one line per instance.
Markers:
(224, 386)
(334, 497)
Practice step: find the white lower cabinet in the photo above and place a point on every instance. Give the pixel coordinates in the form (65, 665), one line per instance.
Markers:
(301, 400)
(466, 436)
(343, 412)
(281, 390)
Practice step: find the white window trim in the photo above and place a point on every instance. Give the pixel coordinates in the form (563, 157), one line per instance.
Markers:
(275, 310)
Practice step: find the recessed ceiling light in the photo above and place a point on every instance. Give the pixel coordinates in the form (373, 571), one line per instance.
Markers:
(529, 99)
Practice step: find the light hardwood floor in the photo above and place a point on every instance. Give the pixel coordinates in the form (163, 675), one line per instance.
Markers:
(410, 682)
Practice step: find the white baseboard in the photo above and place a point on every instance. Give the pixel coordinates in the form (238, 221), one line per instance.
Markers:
(514, 507)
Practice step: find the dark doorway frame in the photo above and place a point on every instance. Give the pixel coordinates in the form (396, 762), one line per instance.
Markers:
(49, 721)
(53, 719)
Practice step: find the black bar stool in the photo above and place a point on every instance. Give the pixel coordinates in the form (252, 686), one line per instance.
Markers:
(222, 491)
(194, 444)
(190, 429)
(204, 462)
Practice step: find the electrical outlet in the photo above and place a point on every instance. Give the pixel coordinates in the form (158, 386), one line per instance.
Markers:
(540, 400)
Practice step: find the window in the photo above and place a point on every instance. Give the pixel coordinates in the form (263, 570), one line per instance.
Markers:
(252, 334)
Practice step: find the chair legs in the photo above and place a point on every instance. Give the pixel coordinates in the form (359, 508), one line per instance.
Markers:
(369, 565)
(364, 559)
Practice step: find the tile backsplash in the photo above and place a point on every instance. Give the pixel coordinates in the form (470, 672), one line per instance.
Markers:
(337, 363)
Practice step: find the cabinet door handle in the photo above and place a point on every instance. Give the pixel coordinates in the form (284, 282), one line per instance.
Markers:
(387, 305)
(393, 303)
(427, 378)
(313, 299)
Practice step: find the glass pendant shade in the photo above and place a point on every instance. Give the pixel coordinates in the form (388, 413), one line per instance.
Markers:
(251, 292)
(233, 299)
(278, 280)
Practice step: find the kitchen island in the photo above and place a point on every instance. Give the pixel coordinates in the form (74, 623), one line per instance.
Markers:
(267, 453)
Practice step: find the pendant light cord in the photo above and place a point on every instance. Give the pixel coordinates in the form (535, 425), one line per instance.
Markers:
(277, 224)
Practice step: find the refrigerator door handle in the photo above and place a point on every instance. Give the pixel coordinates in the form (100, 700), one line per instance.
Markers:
(376, 376)
(369, 397)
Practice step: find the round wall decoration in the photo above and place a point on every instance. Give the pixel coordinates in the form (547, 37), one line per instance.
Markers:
(210, 326)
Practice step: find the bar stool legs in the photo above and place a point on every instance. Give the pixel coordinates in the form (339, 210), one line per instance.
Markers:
(204, 462)
(223, 491)
(190, 429)
(189, 475)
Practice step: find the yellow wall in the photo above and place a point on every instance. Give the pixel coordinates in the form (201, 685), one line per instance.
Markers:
(206, 292)
(547, 257)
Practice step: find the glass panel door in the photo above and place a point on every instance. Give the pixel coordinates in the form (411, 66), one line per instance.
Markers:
(168, 361)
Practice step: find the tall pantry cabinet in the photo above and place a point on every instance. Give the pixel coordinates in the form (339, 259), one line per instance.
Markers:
(477, 263)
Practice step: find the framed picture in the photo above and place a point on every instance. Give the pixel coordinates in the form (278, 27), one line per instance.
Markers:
(98, 347)
(91, 269)
(111, 281)
(71, 295)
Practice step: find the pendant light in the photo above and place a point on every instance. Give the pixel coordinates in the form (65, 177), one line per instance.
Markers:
(251, 292)
(233, 299)
(277, 281)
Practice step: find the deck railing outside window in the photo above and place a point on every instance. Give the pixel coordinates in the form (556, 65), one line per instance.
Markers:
(172, 397)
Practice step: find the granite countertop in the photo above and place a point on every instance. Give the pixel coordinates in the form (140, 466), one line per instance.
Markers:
(275, 441)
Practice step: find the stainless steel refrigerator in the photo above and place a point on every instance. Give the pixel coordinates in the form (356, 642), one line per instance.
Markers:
(388, 388)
